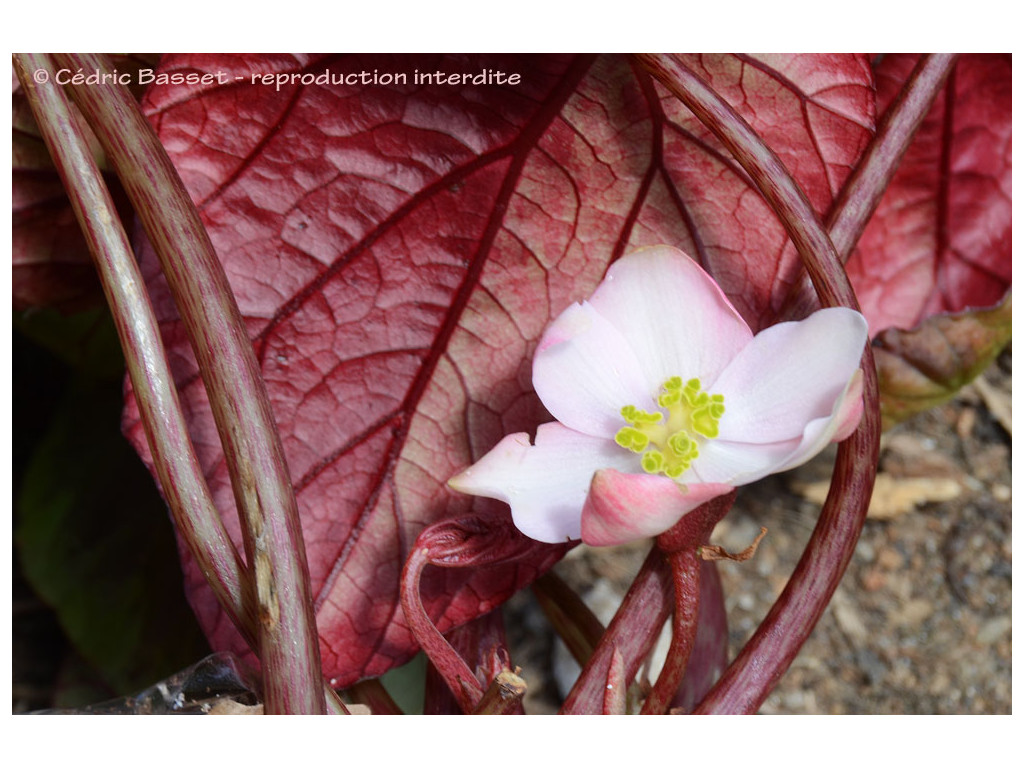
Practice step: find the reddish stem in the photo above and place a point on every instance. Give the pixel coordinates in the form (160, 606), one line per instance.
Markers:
(686, 567)
(778, 639)
(481, 643)
(766, 170)
(181, 479)
(680, 545)
(710, 655)
(177, 468)
(616, 687)
(464, 543)
(631, 634)
(446, 660)
(275, 553)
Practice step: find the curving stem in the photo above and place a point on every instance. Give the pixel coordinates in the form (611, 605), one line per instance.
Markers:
(275, 553)
(182, 483)
(446, 660)
(686, 566)
(681, 546)
(768, 654)
(630, 637)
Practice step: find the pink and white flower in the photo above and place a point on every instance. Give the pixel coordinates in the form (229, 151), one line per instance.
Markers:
(665, 399)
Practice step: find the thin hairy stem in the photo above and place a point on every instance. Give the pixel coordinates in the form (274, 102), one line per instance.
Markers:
(286, 630)
(174, 459)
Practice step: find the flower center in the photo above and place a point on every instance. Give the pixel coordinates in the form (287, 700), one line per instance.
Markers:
(670, 445)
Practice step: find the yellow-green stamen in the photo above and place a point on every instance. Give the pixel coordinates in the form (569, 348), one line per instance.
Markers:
(669, 446)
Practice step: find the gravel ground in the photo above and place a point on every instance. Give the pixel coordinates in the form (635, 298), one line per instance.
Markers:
(921, 621)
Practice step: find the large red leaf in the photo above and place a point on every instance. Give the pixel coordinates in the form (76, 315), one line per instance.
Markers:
(396, 251)
(940, 239)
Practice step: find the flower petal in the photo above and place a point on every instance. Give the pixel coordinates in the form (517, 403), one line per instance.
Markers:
(738, 463)
(545, 484)
(851, 409)
(790, 375)
(845, 416)
(585, 372)
(674, 317)
(625, 507)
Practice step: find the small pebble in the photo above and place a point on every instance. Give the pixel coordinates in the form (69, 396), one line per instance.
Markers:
(994, 629)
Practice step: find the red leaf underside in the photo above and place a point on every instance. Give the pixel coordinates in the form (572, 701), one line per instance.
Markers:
(397, 250)
(940, 240)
